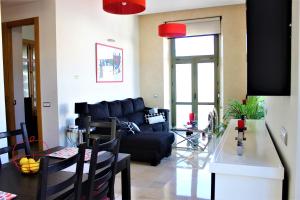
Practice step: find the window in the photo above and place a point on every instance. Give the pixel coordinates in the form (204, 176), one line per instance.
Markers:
(195, 85)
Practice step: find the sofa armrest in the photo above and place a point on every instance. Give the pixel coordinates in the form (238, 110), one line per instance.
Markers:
(146, 109)
(80, 122)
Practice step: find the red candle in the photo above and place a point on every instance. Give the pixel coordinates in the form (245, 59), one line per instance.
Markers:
(192, 117)
(241, 124)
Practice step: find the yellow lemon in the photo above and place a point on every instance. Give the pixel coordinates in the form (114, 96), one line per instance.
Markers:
(29, 165)
(34, 165)
(34, 170)
(23, 161)
(31, 161)
(25, 168)
(25, 171)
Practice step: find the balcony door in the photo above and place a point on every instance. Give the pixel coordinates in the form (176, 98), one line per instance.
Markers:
(195, 85)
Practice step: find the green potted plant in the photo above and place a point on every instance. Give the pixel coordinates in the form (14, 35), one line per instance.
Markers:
(252, 109)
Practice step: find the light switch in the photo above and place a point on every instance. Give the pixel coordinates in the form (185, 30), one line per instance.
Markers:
(46, 104)
(283, 135)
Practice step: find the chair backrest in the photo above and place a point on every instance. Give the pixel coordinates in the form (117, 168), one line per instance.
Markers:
(47, 169)
(25, 145)
(102, 170)
(101, 125)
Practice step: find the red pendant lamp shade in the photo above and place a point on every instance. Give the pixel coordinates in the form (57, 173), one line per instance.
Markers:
(172, 30)
(124, 7)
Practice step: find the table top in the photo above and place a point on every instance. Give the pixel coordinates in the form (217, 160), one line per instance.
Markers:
(25, 186)
(187, 129)
(260, 158)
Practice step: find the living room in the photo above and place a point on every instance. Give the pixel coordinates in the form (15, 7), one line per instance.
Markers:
(69, 30)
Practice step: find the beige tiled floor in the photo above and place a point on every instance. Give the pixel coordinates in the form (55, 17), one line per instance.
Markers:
(182, 176)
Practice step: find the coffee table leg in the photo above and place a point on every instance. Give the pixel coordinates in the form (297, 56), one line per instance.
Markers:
(189, 139)
(126, 185)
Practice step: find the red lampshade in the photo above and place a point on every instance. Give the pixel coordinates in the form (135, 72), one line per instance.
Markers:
(172, 30)
(124, 7)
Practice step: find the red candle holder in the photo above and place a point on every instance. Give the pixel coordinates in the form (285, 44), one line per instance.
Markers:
(192, 117)
(241, 124)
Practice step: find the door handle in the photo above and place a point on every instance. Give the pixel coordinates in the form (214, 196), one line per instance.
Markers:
(195, 96)
(14, 102)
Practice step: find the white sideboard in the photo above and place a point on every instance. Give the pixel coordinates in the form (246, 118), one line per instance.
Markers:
(257, 174)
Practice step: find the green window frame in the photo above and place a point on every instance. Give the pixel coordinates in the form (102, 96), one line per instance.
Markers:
(194, 60)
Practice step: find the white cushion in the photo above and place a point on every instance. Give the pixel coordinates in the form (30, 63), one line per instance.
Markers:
(153, 111)
(135, 127)
(156, 119)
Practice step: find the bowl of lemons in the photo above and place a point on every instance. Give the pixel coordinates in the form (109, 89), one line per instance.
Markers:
(29, 165)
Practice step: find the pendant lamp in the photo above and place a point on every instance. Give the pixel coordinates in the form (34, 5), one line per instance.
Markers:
(172, 30)
(124, 7)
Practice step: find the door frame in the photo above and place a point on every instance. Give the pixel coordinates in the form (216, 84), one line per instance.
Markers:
(8, 74)
(194, 60)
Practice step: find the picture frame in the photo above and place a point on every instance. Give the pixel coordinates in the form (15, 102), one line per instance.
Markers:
(109, 64)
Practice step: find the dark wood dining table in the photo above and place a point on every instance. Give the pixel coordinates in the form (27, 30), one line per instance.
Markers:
(25, 186)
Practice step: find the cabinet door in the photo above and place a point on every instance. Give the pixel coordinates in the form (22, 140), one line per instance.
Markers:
(269, 47)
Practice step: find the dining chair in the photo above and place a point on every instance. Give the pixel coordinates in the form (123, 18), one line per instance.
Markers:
(61, 188)
(105, 131)
(11, 148)
(102, 170)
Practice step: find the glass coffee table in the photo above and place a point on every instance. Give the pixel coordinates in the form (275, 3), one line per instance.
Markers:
(190, 138)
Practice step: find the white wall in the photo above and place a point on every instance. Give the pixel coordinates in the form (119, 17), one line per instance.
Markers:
(69, 30)
(296, 41)
(45, 10)
(284, 112)
(79, 26)
(154, 53)
(18, 76)
(3, 143)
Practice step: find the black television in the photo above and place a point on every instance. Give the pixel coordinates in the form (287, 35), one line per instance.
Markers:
(268, 47)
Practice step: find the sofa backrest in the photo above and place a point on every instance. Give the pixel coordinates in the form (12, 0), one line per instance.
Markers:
(138, 104)
(115, 109)
(99, 111)
(127, 106)
(120, 108)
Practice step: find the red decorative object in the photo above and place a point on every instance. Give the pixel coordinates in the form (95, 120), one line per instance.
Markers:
(124, 7)
(192, 117)
(241, 124)
(172, 30)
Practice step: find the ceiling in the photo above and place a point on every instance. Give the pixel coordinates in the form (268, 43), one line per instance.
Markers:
(15, 2)
(156, 6)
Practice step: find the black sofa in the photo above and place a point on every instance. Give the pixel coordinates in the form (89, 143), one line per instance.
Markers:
(153, 143)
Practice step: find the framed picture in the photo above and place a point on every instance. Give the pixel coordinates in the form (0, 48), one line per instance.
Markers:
(109, 64)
